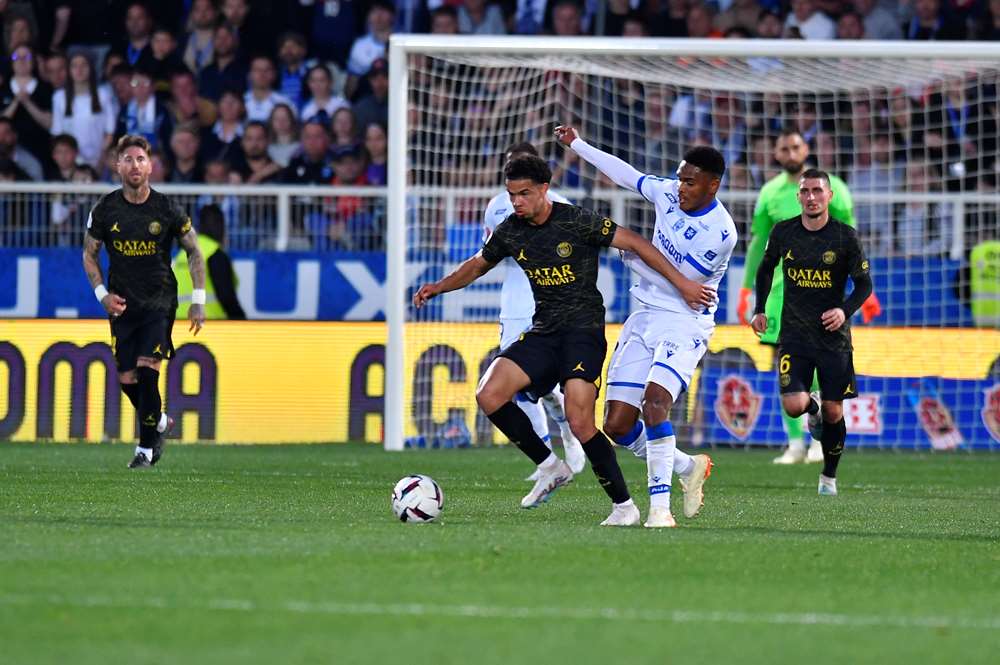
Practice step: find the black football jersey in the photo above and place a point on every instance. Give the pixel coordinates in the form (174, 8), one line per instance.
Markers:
(560, 259)
(139, 240)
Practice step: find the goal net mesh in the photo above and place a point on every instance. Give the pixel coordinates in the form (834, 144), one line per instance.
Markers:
(915, 140)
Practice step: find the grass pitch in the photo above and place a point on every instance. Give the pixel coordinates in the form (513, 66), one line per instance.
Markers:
(290, 554)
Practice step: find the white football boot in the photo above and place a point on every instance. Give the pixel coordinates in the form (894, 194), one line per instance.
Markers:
(625, 515)
(792, 455)
(815, 453)
(548, 482)
(827, 486)
(694, 494)
(660, 517)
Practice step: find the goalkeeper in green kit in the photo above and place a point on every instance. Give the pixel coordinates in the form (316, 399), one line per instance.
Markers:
(777, 202)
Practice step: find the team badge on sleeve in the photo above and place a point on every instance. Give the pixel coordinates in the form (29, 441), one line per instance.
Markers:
(186, 226)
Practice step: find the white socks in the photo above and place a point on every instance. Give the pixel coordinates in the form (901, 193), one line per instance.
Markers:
(536, 414)
(660, 447)
(148, 452)
(549, 462)
(683, 463)
(636, 442)
(161, 426)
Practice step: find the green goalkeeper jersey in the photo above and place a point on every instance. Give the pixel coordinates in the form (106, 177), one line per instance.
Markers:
(778, 201)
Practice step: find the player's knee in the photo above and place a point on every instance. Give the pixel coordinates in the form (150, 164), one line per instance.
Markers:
(656, 409)
(146, 361)
(489, 398)
(832, 411)
(618, 425)
(795, 405)
(582, 425)
(127, 377)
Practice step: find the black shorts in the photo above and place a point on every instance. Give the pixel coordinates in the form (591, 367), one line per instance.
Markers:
(141, 333)
(835, 370)
(550, 359)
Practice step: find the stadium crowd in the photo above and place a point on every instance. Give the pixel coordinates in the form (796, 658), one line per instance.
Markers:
(296, 91)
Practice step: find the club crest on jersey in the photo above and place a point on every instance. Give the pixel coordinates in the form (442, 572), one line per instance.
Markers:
(679, 224)
(737, 406)
(564, 249)
(155, 228)
(829, 257)
(690, 232)
(991, 410)
(864, 265)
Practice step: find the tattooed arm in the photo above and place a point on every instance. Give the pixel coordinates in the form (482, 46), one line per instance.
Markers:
(196, 264)
(113, 303)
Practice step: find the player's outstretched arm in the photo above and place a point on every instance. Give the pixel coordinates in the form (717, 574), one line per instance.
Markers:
(696, 295)
(765, 273)
(113, 303)
(621, 173)
(469, 271)
(196, 265)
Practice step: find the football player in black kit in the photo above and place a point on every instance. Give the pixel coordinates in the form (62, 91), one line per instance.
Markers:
(818, 254)
(137, 226)
(557, 246)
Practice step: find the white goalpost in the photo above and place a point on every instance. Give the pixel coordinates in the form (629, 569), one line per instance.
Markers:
(911, 127)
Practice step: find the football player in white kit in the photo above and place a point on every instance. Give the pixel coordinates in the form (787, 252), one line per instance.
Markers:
(517, 306)
(664, 338)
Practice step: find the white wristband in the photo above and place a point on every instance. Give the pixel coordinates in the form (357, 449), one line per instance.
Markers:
(198, 297)
(100, 292)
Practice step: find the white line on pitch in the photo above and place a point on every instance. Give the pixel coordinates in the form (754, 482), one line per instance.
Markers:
(501, 612)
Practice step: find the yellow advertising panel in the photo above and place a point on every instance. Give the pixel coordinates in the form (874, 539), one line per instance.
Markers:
(278, 382)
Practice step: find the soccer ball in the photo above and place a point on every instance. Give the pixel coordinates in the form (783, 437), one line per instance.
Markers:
(417, 498)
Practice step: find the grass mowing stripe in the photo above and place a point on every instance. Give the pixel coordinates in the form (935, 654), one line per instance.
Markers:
(527, 613)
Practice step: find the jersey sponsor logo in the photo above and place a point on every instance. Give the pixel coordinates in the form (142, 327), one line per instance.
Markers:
(135, 247)
(725, 234)
(737, 406)
(690, 232)
(829, 257)
(991, 410)
(670, 197)
(521, 256)
(115, 229)
(551, 276)
(564, 249)
(154, 228)
(679, 224)
(501, 212)
(710, 255)
(810, 278)
(788, 256)
(669, 249)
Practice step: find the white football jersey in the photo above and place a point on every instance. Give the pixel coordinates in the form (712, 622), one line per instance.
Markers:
(516, 300)
(697, 243)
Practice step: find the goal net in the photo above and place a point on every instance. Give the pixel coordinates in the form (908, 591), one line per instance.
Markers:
(911, 129)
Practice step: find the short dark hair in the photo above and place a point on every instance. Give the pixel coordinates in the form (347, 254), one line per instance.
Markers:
(67, 140)
(522, 148)
(212, 222)
(790, 130)
(528, 167)
(707, 159)
(816, 173)
(133, 141)
(445, 10)
(257, 123)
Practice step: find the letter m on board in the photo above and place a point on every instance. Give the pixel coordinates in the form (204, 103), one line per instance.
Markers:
(79, 360)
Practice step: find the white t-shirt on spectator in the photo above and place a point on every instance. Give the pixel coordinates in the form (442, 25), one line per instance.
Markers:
(817, 26)
(260, 109)
(331, 106)
(87, 127)
(364, 52)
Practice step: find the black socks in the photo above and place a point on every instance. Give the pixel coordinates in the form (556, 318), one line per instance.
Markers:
(834, 436)
(149, 409)
(516, 425)
(602, 459)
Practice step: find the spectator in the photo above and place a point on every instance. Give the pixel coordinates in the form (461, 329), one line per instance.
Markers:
(346, 222)
(257, 167)
(377, 149)
(312, 165)
(529, 16)
(567, 18)
(809, 21)
(634, 26)
(929, 23)
(742, 14)
(185, 144)
(144, 114)
(959, 134)
(136, 48)
(444, 21)
(199, 47)
(769, 24)
(922, 228)
(322, 102)
(988, 28)
(84, 111)
(728, 129)
(63, 159)
(221, 283)
(611, 22)
(671, 22)
(218, 172)
(874, 173)
(907, 136)
(370, 46)
(223, 142)
(165, 60)
(879, 23)
(261, 98)
(227, 71)
(850, 26)
(160, 169)
(82, 25)
(374, 107)
(28, 102)
(284, 133)
(56, 71)
(18, 31)
(478, 17)
(28, 166)
(344, 127)
(120, 82)
(251, 34)
(185, 105)
(333, 29)
(699, 22)
(293, 70)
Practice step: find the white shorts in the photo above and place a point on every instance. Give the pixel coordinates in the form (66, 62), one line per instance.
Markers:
(511, 331)
(656, 347)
